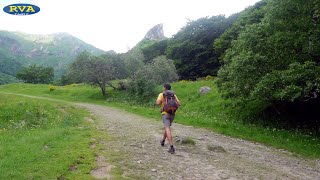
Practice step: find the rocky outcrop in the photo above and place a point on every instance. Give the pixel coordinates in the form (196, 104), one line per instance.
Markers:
(155, 33)
(204, 90)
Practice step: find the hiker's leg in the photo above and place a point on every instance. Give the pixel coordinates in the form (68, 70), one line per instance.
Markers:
(168, 134)
(166, 122)
(164, 135)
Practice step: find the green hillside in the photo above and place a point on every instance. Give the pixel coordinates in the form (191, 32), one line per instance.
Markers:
(5, 79)
(54, 50)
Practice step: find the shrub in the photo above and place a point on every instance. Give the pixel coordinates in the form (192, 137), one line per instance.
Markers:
(144, 81)
(142, 90)
(52, 88)
(122, 85)
(36, 74)
(161, 70)
(188, 140)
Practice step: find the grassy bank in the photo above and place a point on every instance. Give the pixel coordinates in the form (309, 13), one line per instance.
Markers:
(44, 140)
(205, 111)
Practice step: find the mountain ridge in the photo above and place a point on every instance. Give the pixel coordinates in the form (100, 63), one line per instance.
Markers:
(56, 50)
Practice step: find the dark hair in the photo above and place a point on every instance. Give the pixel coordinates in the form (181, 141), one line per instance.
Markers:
(167, 86)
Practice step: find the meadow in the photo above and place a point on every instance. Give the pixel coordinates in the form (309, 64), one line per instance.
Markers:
(41, 139)
(201, 111)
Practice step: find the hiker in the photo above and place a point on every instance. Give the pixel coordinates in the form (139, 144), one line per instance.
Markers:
(169, 103)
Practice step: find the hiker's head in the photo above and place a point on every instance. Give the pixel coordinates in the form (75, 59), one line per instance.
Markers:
(167, 87)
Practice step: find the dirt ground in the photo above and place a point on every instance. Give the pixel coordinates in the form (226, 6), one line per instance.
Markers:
(213, 156)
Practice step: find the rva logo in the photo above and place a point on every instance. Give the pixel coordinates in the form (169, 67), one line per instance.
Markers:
(21, 9)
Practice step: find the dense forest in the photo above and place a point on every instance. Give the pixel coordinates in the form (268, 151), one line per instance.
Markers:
(265, 59)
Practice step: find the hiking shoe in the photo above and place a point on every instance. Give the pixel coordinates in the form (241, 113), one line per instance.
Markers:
(162, 142)
(171, 150)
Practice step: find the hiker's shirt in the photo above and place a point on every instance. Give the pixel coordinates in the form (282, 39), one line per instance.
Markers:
(161, 98)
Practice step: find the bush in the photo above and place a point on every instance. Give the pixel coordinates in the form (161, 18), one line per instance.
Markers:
(142, 90)
(52, 88)
(36, 74)
(161, 70)
(188, 140)
(144, 81)
(122, 85)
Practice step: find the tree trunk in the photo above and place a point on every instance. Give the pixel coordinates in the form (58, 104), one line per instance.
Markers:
(103, 88)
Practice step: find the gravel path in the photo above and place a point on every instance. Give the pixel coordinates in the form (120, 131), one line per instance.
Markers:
(214, 156)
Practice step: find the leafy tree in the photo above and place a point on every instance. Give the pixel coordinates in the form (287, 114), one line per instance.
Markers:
(144, 81)
(251, 15)
(155, 50)
(141, 89)
(36, 74)
(97, 70)
(160, 70)
(297, 83)
(133, 60)
(191, 48)
(275, 61)
(119, 65)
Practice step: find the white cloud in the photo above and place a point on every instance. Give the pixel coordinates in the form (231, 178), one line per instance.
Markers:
(114, 24)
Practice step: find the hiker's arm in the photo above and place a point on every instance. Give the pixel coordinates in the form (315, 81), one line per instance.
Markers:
(159, 101)
(179, 103)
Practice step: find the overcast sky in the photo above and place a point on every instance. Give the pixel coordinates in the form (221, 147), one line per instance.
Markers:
(114, 24)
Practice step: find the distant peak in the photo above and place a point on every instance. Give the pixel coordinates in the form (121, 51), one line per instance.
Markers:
(155, 33)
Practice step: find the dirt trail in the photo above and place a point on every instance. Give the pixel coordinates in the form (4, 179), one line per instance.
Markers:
(228, 158)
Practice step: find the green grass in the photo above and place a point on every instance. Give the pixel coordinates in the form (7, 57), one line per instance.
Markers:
(205, 111)
(189, 141)
(42, 140)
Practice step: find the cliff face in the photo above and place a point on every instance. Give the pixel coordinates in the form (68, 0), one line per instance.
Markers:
(155, 33)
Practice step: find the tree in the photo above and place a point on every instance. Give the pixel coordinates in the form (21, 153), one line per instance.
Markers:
(36, 74)
(155, 50)
(275, 61)
(118, 63)
(191, 48)
(160, 70)
(143, 82)
(133, 60)
(97, 70)
(251, 15)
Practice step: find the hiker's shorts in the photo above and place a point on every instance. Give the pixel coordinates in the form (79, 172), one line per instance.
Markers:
(167, 119)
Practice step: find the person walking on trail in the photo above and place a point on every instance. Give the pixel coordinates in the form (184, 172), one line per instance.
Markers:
(169, 103)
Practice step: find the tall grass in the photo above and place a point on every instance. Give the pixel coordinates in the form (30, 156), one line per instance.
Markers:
(43, 140)
(206, 111)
